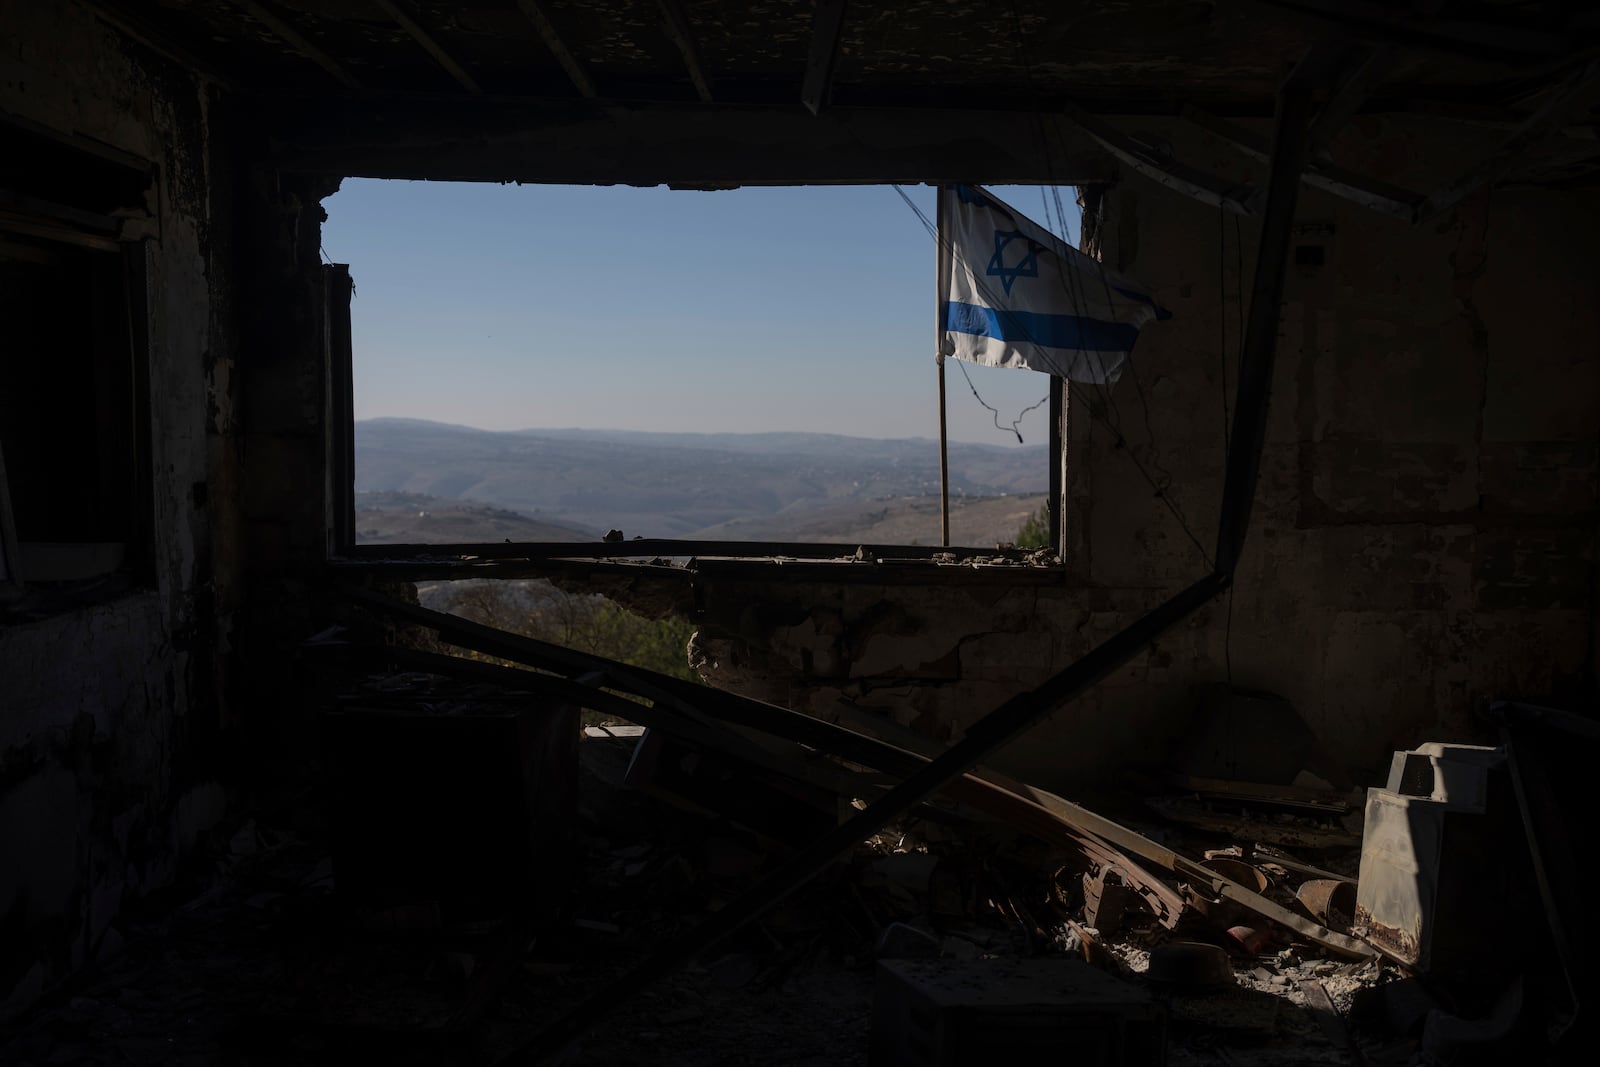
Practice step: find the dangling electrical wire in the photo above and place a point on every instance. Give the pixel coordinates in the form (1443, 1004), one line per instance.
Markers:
(1106, 412)
(1111, 417)
(961, 365)
(933, 231)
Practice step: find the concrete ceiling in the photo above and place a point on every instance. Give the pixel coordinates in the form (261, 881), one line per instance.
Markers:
(1110, 55)
(708, 92)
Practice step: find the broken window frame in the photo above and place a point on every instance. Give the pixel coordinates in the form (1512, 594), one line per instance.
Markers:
(64, 192)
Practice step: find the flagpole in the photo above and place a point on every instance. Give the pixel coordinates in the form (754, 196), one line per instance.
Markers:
(944, 266)
(944, 465)
(1058, 467)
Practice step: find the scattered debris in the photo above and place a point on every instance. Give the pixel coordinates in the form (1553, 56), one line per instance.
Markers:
(1330, 901)
(1106, 899)
(990, 873)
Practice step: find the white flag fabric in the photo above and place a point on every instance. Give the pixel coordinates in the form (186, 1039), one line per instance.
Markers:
(1013, 294)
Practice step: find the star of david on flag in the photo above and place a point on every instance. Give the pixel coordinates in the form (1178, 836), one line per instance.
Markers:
(1028, 267)
(1013, 294)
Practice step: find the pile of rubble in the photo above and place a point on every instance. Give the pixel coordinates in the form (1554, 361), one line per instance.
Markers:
(477, 879)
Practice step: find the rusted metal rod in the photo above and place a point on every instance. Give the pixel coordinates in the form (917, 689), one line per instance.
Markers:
(1024, 710)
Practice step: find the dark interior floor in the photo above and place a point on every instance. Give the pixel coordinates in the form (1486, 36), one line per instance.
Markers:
(267, 960)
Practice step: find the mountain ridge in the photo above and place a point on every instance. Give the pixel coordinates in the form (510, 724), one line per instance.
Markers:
(657, 484)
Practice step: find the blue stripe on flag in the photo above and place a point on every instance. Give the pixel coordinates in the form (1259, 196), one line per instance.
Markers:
(1032, 327)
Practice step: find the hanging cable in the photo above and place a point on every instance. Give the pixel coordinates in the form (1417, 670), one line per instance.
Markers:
(1106, 412)
(962, 366)
(933, 231)
(1112, 416)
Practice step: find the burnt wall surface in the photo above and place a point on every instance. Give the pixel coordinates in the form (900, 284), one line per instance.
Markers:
(109, 708)
(1424, 535)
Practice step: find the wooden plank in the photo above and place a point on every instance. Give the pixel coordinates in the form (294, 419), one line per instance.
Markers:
(1261, 855)
(535, 13)
(429, 45)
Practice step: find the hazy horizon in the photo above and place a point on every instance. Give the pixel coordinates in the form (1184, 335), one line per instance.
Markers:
(931, 440)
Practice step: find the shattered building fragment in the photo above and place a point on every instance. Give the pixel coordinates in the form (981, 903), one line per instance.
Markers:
(1367, 526)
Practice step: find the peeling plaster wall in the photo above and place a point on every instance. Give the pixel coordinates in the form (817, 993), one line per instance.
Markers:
(1425, 528)
(106, 711)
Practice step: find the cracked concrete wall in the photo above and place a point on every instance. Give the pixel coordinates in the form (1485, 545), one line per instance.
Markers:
(108, 711)
(1425, 526)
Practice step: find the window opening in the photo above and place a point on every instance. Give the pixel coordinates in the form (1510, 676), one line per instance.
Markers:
(560, 364)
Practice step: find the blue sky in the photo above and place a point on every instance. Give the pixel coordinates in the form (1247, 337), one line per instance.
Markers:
(516, 307)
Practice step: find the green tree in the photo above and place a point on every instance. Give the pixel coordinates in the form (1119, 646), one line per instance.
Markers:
(584, 621)
(1035, 532)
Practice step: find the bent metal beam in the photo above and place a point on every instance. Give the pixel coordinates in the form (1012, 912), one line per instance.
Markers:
(1024, 710)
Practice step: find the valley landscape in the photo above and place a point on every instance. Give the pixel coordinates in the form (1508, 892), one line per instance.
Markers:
(428, 482)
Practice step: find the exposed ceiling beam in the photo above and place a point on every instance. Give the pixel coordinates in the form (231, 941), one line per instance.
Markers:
(294, 39)
(558, 48)
(429, 45)
(682, 144)
(1368, 192)
(1177, 176)
(1579, 92)
(1356, 86)
(827, 27)
(682, 34)
(1258, 347)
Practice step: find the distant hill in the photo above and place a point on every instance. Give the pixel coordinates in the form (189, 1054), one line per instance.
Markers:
(415, 518)
(680, 485)
(975, 522)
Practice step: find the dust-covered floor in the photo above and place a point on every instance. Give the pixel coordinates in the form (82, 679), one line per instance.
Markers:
(269, 964)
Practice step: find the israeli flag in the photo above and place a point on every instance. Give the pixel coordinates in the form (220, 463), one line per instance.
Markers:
(1013, 294)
